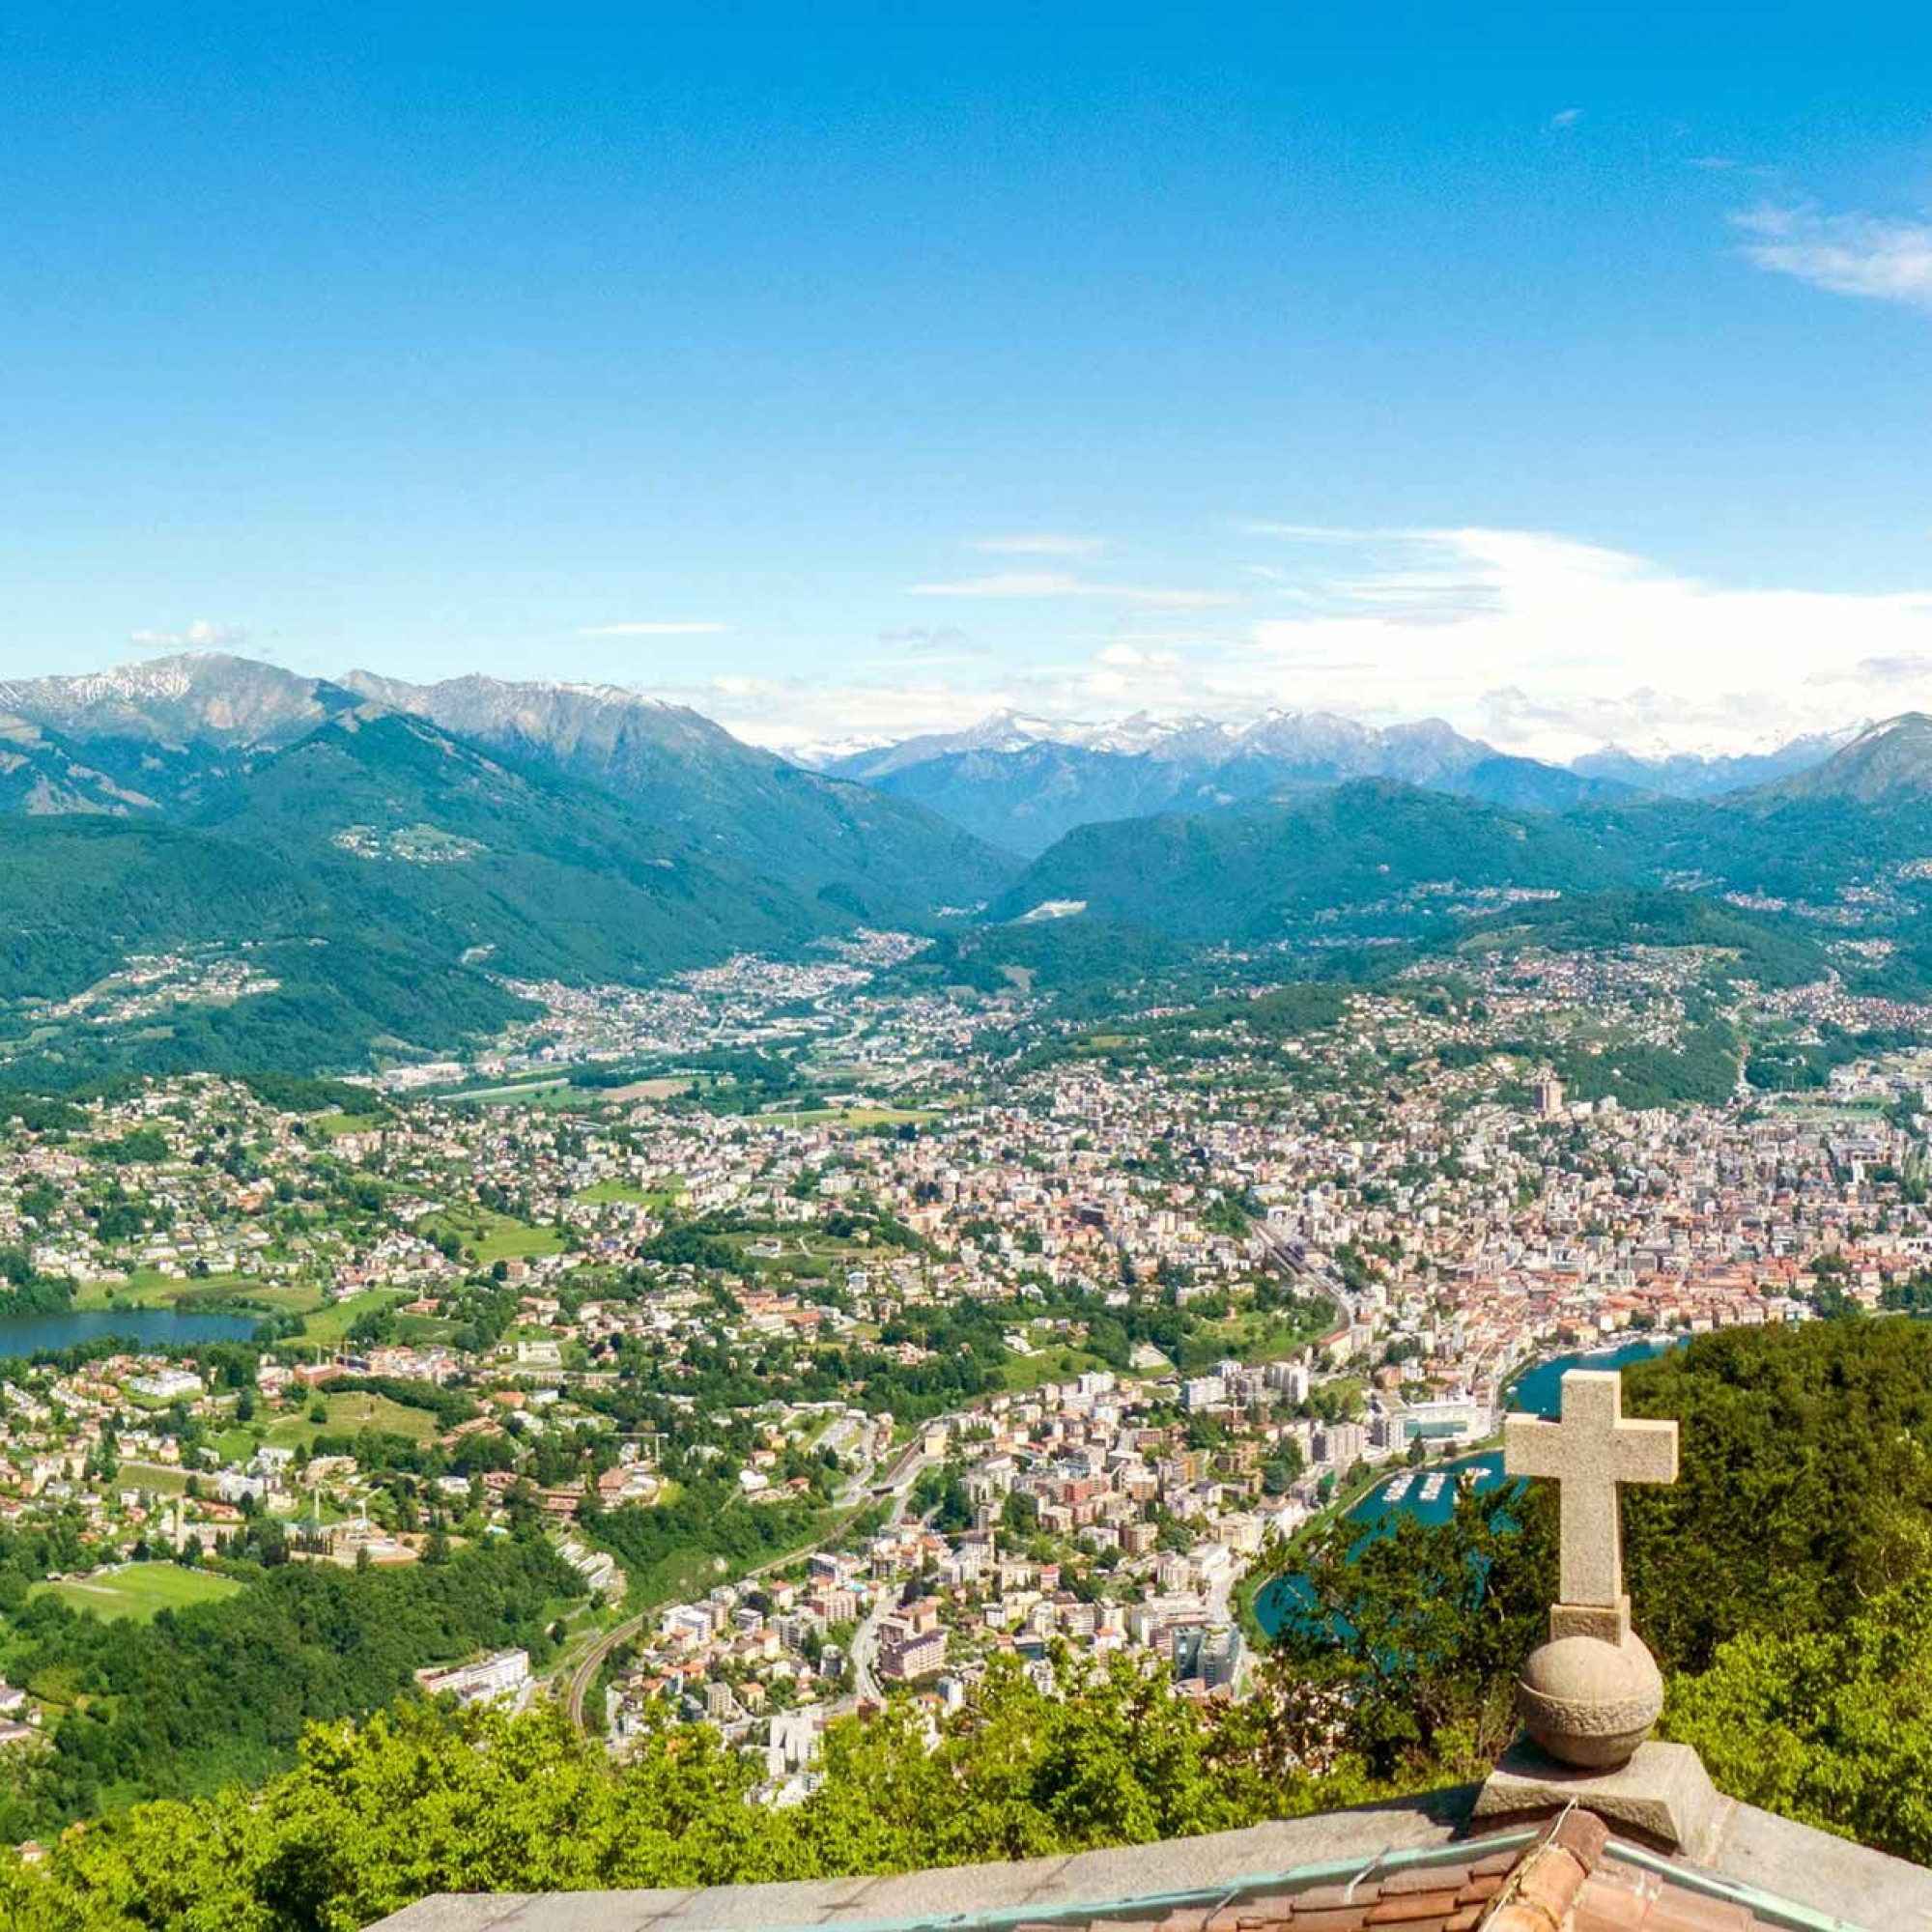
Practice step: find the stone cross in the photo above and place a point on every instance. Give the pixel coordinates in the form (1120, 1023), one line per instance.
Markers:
(1589, 1452)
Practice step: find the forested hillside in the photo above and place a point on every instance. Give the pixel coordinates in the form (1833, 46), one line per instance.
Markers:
(1249, 874)
(365, 888)
(677, 772)
(217, 1692)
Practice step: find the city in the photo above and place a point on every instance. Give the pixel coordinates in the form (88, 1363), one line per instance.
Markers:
(1055, 1371)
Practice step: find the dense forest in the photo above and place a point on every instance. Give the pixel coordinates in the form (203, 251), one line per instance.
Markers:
(218, 1692)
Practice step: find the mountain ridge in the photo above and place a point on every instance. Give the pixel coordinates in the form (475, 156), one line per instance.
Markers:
(1022, 785)
(677, 767)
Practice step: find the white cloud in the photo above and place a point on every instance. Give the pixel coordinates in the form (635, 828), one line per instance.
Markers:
(1315, 534)
(1552, 647)
(1539, 642)
(1136, 657)
(1714, 164)
(1054, 583)
(200, 636)
(1876, 674)
(1042, 543)
(654, 628)
(1848, 254)
(1566, 117)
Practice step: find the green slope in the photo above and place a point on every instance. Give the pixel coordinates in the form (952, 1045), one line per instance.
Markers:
(875, 857)
(1252, 875)
(78, 897)
(416, 834)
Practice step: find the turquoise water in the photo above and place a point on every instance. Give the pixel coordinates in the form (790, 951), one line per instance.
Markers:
(1539, 1391)
(163, 1329)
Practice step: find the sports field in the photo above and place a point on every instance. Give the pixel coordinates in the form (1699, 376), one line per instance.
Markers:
(138, 1590)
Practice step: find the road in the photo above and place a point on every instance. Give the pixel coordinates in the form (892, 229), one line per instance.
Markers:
(913, 1462)
(906, 1468)
(584, 1673)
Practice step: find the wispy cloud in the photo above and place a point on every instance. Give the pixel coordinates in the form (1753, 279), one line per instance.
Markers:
(1714, 164)
(200, 636)
(1317, 533)
(1535, 640)
(947, 643)
(654, 627)
(1566, 117)
(1863, 255)
(1056, 583)
(1136, 657)
(1914, 667)
(1551, 647)
(1040, 543)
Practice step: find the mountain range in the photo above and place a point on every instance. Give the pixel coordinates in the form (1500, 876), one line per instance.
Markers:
(1376, 858)
(388, 873)
(1022, 783)
(389, 858)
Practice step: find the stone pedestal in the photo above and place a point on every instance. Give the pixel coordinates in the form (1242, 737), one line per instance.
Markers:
(1591, 1693)
(1662, 1793)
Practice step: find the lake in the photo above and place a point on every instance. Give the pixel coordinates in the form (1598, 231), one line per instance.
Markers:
(1538, 1391)
(163, 1329)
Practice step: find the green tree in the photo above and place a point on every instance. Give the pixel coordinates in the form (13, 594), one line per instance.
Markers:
(1830, 1727)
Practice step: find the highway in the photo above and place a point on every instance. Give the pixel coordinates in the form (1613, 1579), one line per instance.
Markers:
(865, 1687)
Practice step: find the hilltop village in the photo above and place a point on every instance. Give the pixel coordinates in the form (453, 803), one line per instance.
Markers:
(997, 1333)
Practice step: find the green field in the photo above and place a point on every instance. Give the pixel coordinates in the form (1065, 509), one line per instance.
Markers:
(667, 1196)
(1053, 1362)
(507, 1092)
(138, 1590)
(854, 1116)
(349, 1411)
(333, 1322)
(493, 1236)
(353, 1410)
(162, 1478)
(147, 1288)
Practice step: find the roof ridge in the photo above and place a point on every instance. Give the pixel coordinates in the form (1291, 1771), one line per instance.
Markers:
(1539, 1894)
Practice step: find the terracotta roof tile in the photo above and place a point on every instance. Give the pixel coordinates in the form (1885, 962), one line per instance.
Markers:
(1568, 1880)
(1614, 1899)
(1316, 1898)
(1583, 1836)
(1692, 1912)
(1425, 1878)
(1412, 1908)
(1494, 1864)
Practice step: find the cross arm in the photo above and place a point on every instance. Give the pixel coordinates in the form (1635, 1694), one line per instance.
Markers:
(1646, 1452)
(1533, 1447)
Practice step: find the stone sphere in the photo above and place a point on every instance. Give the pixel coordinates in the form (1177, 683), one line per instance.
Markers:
(1588, 1702)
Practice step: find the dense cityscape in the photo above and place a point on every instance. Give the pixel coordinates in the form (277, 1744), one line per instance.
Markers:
(1015, 1335)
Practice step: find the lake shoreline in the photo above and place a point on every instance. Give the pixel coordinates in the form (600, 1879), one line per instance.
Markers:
(1538, 1385)
(157, 1331)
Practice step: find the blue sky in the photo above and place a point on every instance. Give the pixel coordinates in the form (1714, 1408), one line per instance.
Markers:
(1567, 372)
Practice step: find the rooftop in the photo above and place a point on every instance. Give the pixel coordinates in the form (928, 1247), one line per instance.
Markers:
(1419, 1865)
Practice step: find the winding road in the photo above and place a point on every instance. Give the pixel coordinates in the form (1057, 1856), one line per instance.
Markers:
(905, 1470)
